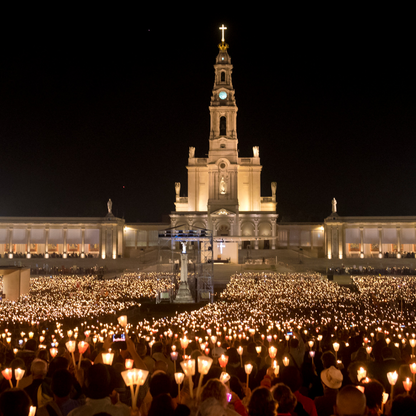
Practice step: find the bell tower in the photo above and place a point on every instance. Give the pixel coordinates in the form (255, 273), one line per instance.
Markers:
(223, 109)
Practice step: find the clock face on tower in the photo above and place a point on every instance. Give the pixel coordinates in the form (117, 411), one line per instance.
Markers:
(222, 95)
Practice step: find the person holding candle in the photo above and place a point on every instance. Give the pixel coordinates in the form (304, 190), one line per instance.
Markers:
(99, 388)
(331, 379)
(350, 401)
(262, 403)
(38, 387)
(374, 395)
(14, 402)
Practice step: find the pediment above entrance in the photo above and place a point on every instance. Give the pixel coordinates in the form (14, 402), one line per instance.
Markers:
(223, 212)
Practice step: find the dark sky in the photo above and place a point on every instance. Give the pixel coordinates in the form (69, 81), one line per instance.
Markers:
(94, 104)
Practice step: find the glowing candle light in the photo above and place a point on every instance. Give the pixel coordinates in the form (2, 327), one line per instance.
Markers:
(407, 384)
(179, 379)
(188, 367)
(240, 353)
(32, 410)
(223, 360)
(335, 345)
(128, 363)
(18, 375)
(272, 352)
(286, 361)
(392, 378)
(413, 370)
(82, 347)
(224, 377)
(258, 349)
(204, 364)
(361, 374)
(108, 358)
(122, 320)
(248, 368)
(7, 374)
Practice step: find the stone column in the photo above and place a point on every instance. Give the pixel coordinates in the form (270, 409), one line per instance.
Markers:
(340, 242)
(83, 242)
(256, 233)
(240, 243)
(362, 242)
(329, 242)
(28, 243)
(173, 243)
(65, 249)
(114, 232)
(273, 221)
(288, 238)
(10, 242)
(380, 243)
(399, 243)
(103, 240)
(46, 243)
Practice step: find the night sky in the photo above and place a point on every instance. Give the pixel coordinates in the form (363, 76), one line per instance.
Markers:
(107, 107)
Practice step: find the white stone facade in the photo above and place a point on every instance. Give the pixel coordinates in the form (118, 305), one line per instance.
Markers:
(224, 189)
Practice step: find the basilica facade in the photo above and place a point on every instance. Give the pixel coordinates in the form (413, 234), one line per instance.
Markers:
(224, 196)
(224, 189)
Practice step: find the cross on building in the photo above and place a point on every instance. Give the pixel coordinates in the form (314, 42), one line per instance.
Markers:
(222, 28)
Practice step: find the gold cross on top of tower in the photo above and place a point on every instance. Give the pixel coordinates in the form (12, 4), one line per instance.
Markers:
(222, 28)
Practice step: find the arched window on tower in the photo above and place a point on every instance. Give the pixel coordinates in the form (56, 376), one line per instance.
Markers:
(223, 126)
(222, 76)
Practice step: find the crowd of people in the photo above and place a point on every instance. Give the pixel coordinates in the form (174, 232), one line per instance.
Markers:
(274, 344)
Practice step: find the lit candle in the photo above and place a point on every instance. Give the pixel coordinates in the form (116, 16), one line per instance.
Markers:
(7, 374)
(179, 379)
(248, 368)
(223, 360)
(128, 363)
(18, 375)
(272, 352)
(407, 384)
(361, 374)
(108, 358)
(204, 364)
(285, 361)
(392, 378)
(240, 353)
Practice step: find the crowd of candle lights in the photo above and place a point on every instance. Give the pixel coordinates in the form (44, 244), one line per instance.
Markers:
(55, 298)
(266, 307)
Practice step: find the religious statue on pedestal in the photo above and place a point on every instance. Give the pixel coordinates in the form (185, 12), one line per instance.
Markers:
(256, 151)
(177, 189)
(110, 206)
(334, 205)
(223, 186)
(191, 152)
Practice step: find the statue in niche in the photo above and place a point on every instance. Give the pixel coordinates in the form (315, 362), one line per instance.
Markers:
(256, 152)
(223, 186)
(110, 206)
(274, 187)
(334, 205)
(183, 247)
(191, 152)
(177, 189)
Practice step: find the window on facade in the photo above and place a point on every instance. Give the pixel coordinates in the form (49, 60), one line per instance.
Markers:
(222, 76)
(223, 126)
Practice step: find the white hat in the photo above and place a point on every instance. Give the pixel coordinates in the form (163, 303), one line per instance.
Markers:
(332, 377)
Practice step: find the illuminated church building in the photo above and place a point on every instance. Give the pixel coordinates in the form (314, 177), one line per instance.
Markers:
(224, 195)
(224, 188)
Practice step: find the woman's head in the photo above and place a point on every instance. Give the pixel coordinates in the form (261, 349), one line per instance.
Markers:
(216, 389)
(284, 397)
(261, 403)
